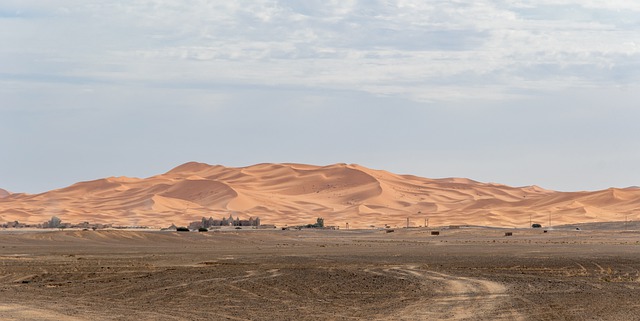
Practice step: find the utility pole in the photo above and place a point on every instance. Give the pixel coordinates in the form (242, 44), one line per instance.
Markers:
(407, 222)
(530, 222)
(549, 219)
(347, 225)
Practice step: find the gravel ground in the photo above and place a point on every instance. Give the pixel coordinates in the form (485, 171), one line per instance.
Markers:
(462, 274)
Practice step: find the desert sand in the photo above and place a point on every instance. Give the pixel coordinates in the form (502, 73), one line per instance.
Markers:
(461, 274)
(291, 194)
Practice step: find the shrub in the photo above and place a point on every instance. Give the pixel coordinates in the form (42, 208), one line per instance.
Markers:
(182, 229)
(203, 229)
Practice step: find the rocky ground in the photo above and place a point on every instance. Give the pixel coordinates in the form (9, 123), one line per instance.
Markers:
(474, 274)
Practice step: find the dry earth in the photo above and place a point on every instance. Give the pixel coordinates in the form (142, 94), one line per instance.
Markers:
(464, 274)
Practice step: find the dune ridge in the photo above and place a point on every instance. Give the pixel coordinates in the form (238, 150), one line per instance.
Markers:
(290, 194)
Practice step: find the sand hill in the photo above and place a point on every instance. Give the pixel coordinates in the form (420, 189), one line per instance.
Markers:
(296, 194)
(4, 193)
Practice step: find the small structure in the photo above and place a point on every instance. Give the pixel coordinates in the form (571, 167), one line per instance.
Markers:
(435, 232)
(508, 233)
(173, 227)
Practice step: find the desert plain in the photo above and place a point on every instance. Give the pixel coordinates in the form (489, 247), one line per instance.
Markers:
(468, 273)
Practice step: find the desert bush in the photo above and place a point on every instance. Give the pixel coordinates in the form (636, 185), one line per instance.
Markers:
(182, 229)
(203, 229)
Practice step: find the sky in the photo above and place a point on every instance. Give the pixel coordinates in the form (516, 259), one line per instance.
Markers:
(514, 92)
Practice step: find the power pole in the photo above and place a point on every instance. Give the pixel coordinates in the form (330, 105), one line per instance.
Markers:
(407, 222)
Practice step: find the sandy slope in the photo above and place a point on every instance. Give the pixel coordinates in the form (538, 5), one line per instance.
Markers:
(4, 193)
(295, 194)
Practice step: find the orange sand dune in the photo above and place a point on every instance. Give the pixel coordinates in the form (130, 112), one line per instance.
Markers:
(291, 194)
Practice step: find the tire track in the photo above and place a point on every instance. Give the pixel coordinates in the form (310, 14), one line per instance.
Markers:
(456, 298)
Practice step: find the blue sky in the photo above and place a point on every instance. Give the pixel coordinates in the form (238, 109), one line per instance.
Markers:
(514, 92)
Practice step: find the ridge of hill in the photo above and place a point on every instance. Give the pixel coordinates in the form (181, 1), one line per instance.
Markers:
(291, 194)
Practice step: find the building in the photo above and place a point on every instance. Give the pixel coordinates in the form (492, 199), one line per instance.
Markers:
(230, 221)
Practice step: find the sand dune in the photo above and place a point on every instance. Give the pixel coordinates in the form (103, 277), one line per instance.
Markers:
(289, 194)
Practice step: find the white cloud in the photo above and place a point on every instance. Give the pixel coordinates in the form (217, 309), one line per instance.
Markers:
(381, 47)
(239, 82)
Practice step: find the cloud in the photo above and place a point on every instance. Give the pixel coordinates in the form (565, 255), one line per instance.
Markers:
(380, 47)
(434, 88)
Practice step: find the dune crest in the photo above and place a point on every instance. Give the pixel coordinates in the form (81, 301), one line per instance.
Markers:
(290, 194)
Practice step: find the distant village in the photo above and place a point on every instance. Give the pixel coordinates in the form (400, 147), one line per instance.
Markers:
(56, 222)
(203, 224)
(210, 223)
(230, 221)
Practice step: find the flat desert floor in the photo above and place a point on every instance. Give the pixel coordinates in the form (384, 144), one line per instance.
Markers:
(461, 274)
